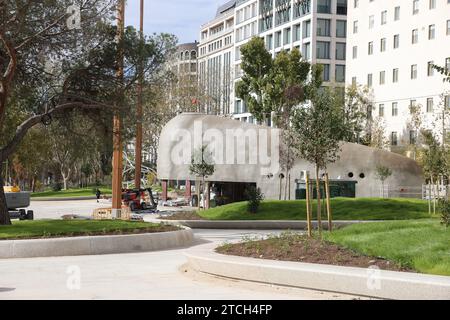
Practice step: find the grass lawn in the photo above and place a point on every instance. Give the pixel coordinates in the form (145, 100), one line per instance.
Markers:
(69, 193)
(70, 228)
(343, 209)
(423, 245)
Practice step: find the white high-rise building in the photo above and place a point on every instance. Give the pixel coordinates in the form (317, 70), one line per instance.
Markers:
(318, 28)
(391, 47)
(216, 49)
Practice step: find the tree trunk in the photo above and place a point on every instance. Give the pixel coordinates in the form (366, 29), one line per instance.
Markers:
(289, 189)
(434, 195)
(4, 214)
(308, 205)
(329, 213)
(429, 198)
(319, 208)
(286, 185)
(198, 194)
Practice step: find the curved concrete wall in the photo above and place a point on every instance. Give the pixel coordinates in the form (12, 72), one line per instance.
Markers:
(181, 135)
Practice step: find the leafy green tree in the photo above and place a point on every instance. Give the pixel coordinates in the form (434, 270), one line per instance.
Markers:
(255, 82)
(274, 87)
(202, 166)
(52, 62)
(319, 129)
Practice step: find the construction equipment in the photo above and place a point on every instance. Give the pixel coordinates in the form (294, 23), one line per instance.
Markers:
(16, 201)
(139, 199)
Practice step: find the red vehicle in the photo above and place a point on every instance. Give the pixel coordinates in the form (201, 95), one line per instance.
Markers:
(138, 199)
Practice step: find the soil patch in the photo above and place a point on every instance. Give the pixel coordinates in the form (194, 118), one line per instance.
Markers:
(300, 248)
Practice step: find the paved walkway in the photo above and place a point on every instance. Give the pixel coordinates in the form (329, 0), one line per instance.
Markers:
(153, 275)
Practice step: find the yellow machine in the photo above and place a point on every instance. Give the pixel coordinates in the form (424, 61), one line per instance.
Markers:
(11, 189)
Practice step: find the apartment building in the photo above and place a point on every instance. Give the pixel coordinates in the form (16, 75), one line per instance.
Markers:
(318, 28)
(391, 47)
(216, 49)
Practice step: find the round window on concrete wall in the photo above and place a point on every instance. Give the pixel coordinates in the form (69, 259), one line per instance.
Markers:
(362, 175)
(350, 175)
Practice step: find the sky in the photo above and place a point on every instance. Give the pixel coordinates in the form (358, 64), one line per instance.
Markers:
(182, 18)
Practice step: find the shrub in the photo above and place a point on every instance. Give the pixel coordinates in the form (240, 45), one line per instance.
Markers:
(444, 208)
(255, 197)
(56, 186)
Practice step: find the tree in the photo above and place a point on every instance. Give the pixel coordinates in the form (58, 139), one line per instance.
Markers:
(357, 107)
(444, 71)
(202, 166)
(253, 87)
(274, 87)
(377, 137)
(319, 129)
(52, 61)
(255, 196)
(383, 173)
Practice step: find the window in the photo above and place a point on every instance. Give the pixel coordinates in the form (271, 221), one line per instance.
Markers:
(396, 41)
(394, 109)
(397, 13)
(307, 29)
(324, 6)
(287, 36)
(384, 17)
(326, 72)
(430, 69)
(395, 75)
(394, 141)
(278, 39)
(415, 36)
(355, 52)
(323, 50)
(370, 48)
(297, 34)
(341, 28)
(340, 50)
(412, 136)
(341, 7)
(447, 63)
(340, 73)
(447, 102)
(431, 32)
(269, 42)
(355, 3)
(381, 110)
(306, 52)
(429, 105)
(448, 27)
(323, 27)
(414, 71)
(432, 4)
(382, 77)
(369, 80)
(415, 6)
(354, 81)
(383, 45)
(355, 26)
(371, 21)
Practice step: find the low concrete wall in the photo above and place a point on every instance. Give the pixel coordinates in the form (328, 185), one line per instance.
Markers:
(254, 224)
(94, 245)
(357, 281)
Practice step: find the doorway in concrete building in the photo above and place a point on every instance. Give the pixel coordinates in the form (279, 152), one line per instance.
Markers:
(229, 192)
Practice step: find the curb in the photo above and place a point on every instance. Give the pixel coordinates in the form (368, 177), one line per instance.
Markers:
(63, 199)
(256, 224)
(349, 280)
(94, 245)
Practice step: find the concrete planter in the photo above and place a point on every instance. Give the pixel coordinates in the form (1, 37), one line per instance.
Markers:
(94, 245)
(357, 281)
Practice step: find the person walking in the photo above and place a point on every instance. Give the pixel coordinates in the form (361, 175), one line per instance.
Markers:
(98, 193)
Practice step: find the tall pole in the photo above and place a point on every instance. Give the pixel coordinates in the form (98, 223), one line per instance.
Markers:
(138, 148)
(117, 139)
